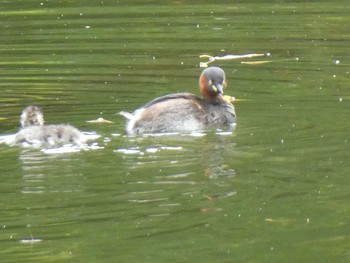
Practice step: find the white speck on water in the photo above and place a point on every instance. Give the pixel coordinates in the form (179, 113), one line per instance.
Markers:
(152, 150)
(128, 151)
(30, 240)
(107, 139)
(224, 133)
(171, 147)
(87, 27)
(337, 61)
(197, 134)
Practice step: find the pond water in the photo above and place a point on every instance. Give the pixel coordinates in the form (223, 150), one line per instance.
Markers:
(275, 190)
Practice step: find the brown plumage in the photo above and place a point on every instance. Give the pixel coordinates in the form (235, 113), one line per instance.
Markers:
(185, 112)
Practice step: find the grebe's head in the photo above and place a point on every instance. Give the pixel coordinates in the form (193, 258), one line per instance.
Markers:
(212, 82)
(32, 116)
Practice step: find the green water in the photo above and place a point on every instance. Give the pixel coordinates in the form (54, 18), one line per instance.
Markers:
(276, 190)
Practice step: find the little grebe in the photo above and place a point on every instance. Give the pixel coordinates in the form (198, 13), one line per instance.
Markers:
(185, 112)
(33, 130)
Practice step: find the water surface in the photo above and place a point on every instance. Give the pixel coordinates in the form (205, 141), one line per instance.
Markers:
(273, 191)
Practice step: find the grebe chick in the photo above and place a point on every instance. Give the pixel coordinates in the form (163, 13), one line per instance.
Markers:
(34, 132)
(31, 116)
(185, 112)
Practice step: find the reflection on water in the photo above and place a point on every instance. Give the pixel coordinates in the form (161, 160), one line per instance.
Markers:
(32, 177)
(276, 186)
(39, 169)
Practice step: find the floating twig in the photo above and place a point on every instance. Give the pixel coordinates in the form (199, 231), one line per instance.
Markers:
(231, 99)
(255, 62)
(227, 57)
(267, 61)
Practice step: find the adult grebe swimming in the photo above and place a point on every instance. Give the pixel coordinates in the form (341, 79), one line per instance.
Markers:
(185, 112)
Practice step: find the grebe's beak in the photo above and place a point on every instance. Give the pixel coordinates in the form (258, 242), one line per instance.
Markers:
(218, 87)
